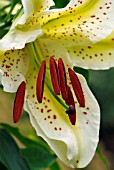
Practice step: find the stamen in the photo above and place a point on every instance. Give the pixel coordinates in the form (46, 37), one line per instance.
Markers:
(62, 79)
(77, 87)
(40, 82)
(54, 76)
(71, 111)
(19, 101)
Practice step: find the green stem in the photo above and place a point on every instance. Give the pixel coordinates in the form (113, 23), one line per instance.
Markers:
(103, 158)
(9, 14)
(57, 98)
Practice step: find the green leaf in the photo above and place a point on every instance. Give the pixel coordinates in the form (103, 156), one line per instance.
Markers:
(55, 166)
(14, 2)
(61, 4)
(2, 33)
(3, 8)
(102, 156)
(24, 140)
(36, 154)
(2, 167)
(38, 157)
(84, 72)
(9, 153)
(12, 6)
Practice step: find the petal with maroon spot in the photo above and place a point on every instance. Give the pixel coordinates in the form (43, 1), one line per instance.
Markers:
(34, 6)
(19, 36)
(96, 56)
(50, 48)
(93, 21)
(81, 26)
(52, 123)
(30, 9)
(25, 28)
(14, 65)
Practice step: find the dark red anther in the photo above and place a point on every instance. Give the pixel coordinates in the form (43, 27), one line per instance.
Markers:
(40, 82)
(77, 87)
(71, 111)
(54, 76)
(19, 101)
(62, 79)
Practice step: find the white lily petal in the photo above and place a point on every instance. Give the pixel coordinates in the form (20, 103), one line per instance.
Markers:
(52, 123)
(13, 67)
(34, 6)
(99, 55)
(17, 39)
(56, 13)
(51, 48)
(54, 143)
(93, 22)
(30, 8)
(19, 33)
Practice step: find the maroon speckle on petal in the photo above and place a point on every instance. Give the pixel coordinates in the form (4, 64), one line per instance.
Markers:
(49, 110)
(42, 110)
(54, 116)
(55, 128)
(48, 117)
(85, 113)
(87, 122)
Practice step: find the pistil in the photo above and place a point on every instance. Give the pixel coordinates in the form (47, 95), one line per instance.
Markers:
(71, 110)
(71, 103)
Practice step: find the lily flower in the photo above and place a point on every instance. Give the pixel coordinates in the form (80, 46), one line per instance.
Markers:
(37, 65)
